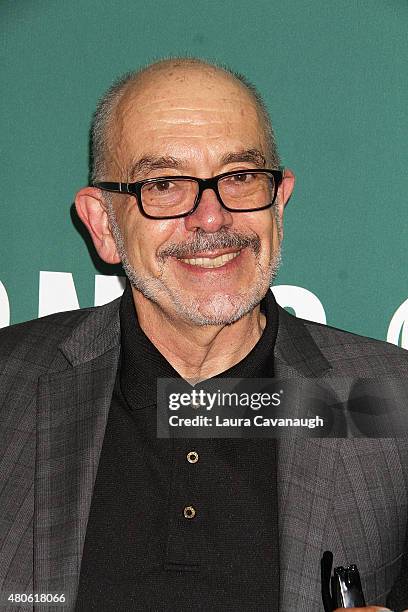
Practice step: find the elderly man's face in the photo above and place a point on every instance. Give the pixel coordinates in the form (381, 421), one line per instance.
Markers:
(200, 124)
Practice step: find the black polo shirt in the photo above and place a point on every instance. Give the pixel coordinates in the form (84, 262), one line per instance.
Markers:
(179, 524)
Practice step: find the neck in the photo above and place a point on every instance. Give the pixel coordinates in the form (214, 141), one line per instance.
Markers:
(198, 352)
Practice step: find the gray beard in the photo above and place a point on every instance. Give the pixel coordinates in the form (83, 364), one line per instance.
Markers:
(189, 308)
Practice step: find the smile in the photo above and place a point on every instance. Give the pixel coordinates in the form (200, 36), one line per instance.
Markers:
(211, 262)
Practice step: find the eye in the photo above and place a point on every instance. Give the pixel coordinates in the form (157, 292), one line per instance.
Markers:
(245, 177)
(161, 186)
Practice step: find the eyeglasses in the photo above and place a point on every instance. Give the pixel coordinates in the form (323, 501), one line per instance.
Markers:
(170, 197)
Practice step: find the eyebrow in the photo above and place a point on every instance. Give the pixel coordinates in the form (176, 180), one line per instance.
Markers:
(151, 162)
(148, 163)
(253, 156)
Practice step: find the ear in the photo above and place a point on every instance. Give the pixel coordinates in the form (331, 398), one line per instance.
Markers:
(91, 209)
(284, 192)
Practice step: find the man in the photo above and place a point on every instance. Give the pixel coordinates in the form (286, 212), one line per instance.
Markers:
(187, 193)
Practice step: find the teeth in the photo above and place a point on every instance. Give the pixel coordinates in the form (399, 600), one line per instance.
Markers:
(216, 262)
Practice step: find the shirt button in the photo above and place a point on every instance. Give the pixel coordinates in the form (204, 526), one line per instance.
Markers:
(192, 457)
(189, 512)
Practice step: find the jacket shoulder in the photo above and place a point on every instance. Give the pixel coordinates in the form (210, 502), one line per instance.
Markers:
(342, 347)
(36, 342)
(328, 335)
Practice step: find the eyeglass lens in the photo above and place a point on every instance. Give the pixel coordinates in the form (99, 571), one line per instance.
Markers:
(177, 196)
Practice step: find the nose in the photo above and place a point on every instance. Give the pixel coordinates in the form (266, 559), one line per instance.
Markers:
(209, 216)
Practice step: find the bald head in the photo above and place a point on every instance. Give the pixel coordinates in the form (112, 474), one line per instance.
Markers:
(167, 78)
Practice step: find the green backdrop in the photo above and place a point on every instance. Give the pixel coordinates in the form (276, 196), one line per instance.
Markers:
(334, 76)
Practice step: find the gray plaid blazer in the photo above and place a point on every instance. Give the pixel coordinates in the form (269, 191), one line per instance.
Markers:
(56, 382)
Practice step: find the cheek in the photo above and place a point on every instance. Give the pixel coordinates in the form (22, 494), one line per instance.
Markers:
(275, 236)
(262, 223)
(145, 237)
(269, 241)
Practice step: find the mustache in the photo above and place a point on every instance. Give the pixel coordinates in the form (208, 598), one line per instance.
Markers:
(203, 241)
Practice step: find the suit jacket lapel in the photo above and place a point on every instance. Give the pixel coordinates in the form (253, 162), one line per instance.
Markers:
(305, 475)
(73, 406)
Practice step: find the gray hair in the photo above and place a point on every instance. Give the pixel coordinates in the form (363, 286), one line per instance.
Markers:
(106, 107)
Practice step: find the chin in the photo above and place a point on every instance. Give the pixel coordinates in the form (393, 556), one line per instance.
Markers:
(219, 309)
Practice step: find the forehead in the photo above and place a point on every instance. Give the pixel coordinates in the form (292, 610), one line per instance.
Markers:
(188, 110)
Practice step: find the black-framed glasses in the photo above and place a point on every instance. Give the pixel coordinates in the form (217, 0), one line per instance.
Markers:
(170, 197)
